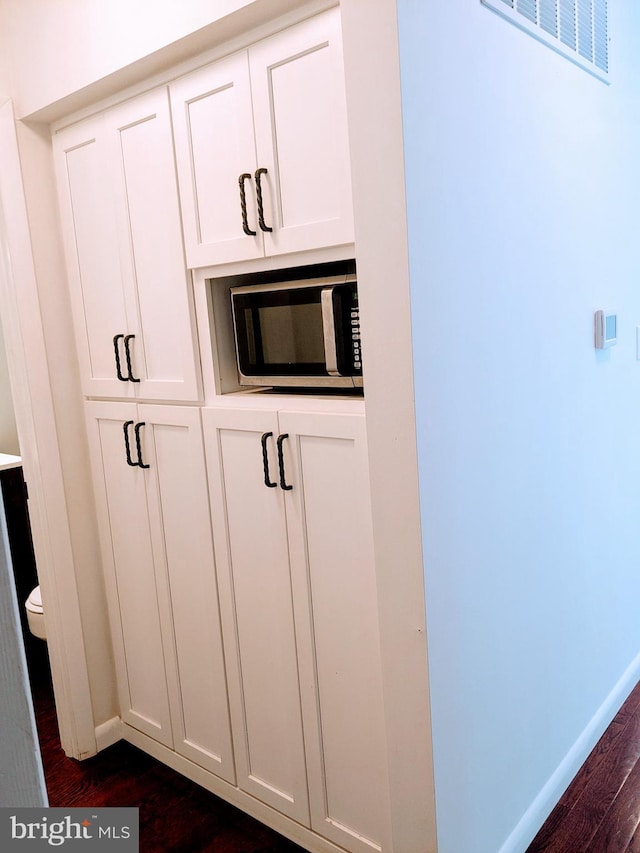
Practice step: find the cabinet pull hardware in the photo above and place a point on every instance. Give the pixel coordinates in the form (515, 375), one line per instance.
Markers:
(265, 461)
(125, 429)
(261, 222)
(283, 484)
(136, 432)
(127, 352)
(243, 205)
(119, 373)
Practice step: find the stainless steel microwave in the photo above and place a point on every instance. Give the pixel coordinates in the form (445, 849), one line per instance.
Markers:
(303, 334)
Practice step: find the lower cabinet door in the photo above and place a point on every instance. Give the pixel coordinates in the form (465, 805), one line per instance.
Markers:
(331, 554)
(250, 536)
(156, 534)
(134, 606)
(180, 522)
(294, 547)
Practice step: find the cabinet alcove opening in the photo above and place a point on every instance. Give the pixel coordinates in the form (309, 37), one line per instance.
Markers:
(221, 325)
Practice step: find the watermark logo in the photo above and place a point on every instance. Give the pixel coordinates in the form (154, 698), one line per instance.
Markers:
(35, 829)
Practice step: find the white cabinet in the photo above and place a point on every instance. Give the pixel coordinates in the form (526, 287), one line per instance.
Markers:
(155, 531)
(125, 257)
(262, 148)
(255, 587)
(214, 147)
(292, 531)
(266, 550)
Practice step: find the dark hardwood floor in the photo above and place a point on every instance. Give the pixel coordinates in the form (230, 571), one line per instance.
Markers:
(600, 810)
(175, 813)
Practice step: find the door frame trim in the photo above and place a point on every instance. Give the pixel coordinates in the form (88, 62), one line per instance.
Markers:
(38, 437)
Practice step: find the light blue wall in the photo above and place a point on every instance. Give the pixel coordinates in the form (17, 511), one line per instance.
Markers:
(523, 181)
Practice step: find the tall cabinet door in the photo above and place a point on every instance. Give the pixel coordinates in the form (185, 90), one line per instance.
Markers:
(331, 552)
(127, 552)
(250, 537)
(91, 249)
(180, 523)
(300, 118)
(215, 147)
(161, 327)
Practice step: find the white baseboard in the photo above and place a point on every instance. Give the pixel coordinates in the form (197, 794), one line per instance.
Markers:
(109, 733)
(542, 806)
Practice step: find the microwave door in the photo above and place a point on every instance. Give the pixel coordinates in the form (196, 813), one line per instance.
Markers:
(279, 335)
(329, 331)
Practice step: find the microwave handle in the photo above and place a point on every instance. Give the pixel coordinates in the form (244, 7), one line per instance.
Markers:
(329, 331)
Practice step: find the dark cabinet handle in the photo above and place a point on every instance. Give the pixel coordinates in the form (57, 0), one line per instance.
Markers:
(265, 461)
(136, 432)
(119, 373)
(283, 484)
(261, 222)
(127, 352)
(127, 446)
(243, 205)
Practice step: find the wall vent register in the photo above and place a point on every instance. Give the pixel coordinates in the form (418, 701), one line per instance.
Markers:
(578, 29)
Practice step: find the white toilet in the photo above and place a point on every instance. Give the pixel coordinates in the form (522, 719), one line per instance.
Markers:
(35, 614)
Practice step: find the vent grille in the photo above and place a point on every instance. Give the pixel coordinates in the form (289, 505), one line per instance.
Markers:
(576, 28)
(528, 9)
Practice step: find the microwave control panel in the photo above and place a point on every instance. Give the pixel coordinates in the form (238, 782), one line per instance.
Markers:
(355, 337)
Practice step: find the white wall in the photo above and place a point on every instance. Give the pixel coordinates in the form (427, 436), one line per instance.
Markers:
(8, 433)
(59, 48)
(524, 201)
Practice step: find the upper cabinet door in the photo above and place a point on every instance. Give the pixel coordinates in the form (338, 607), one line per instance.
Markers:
(123, 239)
(300, 117)
(163, 351)
(215, 148)
(262, 148)
(93, 261)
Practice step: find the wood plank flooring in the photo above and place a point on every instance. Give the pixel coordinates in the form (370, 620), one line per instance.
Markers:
(175, 813)
(600, 810)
